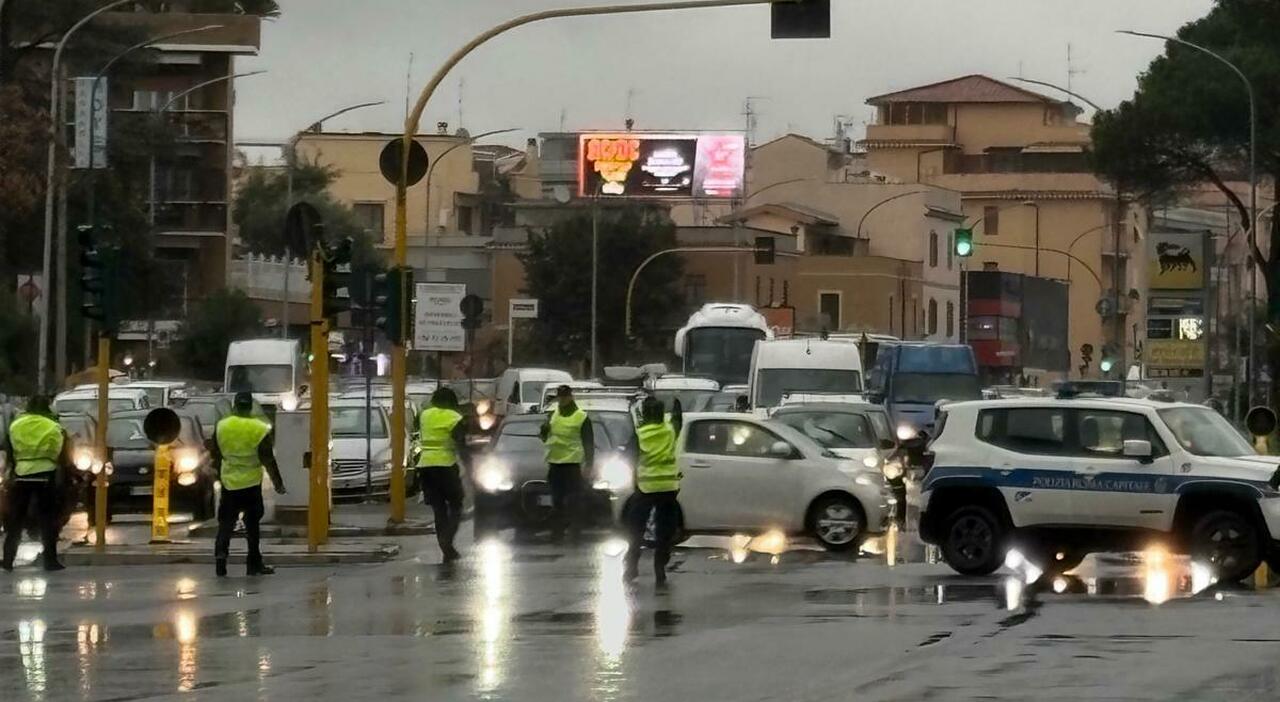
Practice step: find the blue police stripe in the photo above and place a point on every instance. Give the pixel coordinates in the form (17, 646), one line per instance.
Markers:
(1038, 479)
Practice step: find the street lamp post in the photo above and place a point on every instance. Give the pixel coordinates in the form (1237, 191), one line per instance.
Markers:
(56, 136)
(1253, 188)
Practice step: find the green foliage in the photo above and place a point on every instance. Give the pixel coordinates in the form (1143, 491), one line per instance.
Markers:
(225, 316)
(263, 200)
(558, 273)
(17, 345)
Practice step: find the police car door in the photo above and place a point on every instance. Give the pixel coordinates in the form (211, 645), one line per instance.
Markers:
(1028, 457)
(1114, 490)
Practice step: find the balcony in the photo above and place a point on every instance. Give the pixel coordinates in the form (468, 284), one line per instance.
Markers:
(914, 133)
(187, 185)
(184, 218)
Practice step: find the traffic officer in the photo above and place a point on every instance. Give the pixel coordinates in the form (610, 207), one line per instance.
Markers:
(657, 484)
(36, 448)
(242, 446)
(570, 443)
(442, 439)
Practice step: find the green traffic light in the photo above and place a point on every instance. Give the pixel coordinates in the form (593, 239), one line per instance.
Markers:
(1106, 365)
(963, 242)
(964, 248)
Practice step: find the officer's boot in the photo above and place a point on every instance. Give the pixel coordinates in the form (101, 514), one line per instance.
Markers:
(660, 557)
(220, 567)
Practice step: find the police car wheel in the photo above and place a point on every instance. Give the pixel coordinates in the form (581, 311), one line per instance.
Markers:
(1228, 542)
(972, 541)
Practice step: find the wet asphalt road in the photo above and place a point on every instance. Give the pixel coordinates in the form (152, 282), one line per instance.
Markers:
(535, 621)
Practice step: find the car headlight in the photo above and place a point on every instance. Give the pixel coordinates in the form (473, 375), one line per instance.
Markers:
(615, 474)
(187, 479)
(83, 459)
(893, 470)
(906, 432)
(186, 461)
(494, 476)
(483, 407)
(872, 462)
(487, 421)
(289, 402)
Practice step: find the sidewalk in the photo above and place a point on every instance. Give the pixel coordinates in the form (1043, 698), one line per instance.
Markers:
(348, 520)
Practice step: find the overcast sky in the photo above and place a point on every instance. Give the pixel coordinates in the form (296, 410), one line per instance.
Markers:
(679, 70)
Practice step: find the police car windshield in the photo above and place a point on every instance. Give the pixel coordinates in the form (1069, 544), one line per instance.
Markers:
(1203, 432)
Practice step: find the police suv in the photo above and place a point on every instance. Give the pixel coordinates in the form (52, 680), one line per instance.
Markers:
(1059, 478)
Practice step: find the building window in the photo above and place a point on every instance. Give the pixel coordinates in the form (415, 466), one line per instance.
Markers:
(990, 266)
(933, 317)
(464, 219)
(990, 220)
(370, 216)
(951, 319)
(695, 289)
(829, 310)
(933, 249)
(951, 250)
(915, 113)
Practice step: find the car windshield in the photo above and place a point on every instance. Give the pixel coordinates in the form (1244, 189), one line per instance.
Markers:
(928, 388)
(350, 421)
(519, 437)
(690, 400)
(832, 430)
(206, 412)
(76, 426)
(1204, 432)
(264, 378)
(531, 392)
(155, 396)
(127, 434)
(89, 405)
(773, 383)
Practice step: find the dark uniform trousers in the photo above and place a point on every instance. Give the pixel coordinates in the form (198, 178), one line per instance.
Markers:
(442, 488)
(666, 518)
(567, 488)
(43, 489)
(248, 502)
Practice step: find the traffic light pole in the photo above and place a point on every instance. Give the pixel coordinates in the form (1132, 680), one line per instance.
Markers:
(100, 441)
(318, 495)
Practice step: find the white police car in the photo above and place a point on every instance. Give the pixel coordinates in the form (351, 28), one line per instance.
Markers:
(1062, 477)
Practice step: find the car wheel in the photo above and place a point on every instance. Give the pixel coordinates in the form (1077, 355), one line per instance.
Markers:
(203, 507)
(837, 522)
(972, 540)
(1228, 541)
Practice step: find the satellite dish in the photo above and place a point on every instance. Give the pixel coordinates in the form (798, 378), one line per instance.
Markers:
(561, 194)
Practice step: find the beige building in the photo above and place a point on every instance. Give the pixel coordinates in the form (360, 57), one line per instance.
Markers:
(1019, 161)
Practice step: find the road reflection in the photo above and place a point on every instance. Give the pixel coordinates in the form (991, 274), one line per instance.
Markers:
(613, 611)
(31, 634)
(492, 610)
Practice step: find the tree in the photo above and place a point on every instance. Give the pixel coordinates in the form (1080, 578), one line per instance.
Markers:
(17, 352)
(263, 200)
(225, 316)
(1188, 123)
(558, 273)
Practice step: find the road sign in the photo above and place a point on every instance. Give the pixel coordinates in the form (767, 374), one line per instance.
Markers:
(389, 161)
(522, 309)
(437, 317)
(30, 287)
(97, 114)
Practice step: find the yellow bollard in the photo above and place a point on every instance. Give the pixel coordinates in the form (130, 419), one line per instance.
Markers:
(1262, 576)
(160, 495)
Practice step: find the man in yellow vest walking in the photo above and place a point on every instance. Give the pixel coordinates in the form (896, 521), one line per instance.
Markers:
(570, 444)
(442, 440)
(37, 448)
(657, 484)
(242, 447)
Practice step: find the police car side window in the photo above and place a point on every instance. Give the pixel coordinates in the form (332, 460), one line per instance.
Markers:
(1032, 430)
(1102, 433)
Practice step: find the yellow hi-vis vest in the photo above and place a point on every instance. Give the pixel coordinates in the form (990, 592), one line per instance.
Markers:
(435, 438)
(37, 443)
(238, 439)
(657, 471)
(564, 437)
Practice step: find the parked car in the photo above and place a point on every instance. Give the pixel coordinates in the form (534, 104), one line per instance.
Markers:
(119, 398)
(192, 478)
(520, 389)
(162, 393)
(354, 444)
(693, 393)
(743, 474)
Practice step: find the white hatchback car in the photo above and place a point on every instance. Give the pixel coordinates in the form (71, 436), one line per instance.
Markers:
(743, 474)
(1062, 477)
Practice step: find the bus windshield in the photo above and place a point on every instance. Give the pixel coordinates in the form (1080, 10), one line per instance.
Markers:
(720, 353)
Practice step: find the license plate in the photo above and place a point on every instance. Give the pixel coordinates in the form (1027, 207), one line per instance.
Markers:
(140, 490)
(544, 500)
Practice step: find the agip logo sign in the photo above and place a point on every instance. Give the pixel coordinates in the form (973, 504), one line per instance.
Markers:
(1176, 261)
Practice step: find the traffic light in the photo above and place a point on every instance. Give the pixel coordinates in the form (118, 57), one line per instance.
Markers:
(765, 249)
(964, 242)
(1108, 360)
(337, 280)
(100, 268)
(390, 303)
(472, 309)
(801, 19)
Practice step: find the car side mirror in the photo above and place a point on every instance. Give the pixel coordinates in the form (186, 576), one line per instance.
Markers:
(875, 398)
(302, 389)
(781, 449)
(1138, 448)
(887, 445)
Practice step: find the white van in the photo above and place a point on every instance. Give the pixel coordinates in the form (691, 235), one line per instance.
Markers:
(85, 401)
(272, 369)
(520, 389)
(803, 366)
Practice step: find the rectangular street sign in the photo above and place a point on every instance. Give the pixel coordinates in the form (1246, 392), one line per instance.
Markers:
(523, 309)
(438, 317)
(98, 116)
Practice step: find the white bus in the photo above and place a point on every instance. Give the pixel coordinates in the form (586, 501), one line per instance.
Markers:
(717, 341)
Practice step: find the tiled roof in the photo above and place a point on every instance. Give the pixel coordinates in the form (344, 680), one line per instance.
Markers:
(972, 88)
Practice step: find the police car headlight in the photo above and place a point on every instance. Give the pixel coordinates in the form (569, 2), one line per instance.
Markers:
(494, 476)
(893, 470)
(906, 432)
(83, 459)
(186, 461)
(615, 474)
(187, 479)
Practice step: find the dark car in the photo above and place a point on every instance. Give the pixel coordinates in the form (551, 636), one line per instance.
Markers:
(192, 476)
(509, 479)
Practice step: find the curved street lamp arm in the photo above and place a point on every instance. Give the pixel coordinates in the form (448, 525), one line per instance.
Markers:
(148, 42)
(631, 285)
(1073, 94)
(771, 186)
(873, 208)
(1086, 266)
(316, 125)
(205, 84)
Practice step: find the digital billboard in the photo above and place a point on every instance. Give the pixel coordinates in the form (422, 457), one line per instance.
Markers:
(669, 165)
